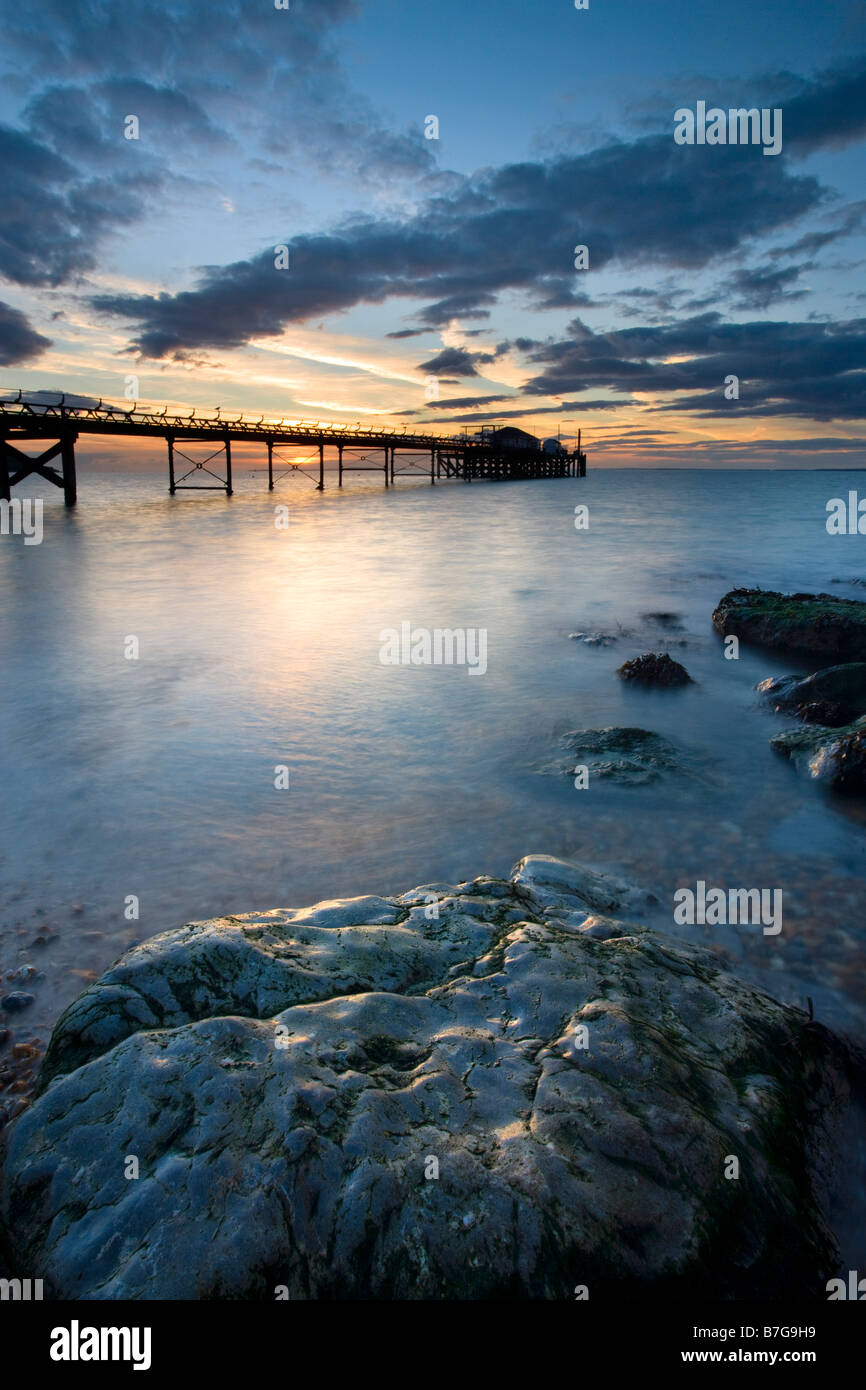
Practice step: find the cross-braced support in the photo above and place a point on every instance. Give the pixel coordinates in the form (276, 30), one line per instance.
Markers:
(15, 466)
(181, 485)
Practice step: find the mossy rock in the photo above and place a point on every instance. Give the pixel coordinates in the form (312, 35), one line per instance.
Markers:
(816, 623)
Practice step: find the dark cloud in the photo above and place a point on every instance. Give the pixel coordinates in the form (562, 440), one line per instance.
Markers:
(194, 70)
(652, 203)
(457, 403)
(828, 110)
(18, 340)
(491, 416)
(758, 289)
(459, 360)
(812, 369)
(51, 218)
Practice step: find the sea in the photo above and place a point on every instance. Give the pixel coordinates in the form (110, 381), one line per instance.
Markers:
(197, 719)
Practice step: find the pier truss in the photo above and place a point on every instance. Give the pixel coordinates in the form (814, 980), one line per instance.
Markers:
(359, 449)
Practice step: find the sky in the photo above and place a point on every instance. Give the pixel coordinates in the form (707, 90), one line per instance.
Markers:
(431, 282)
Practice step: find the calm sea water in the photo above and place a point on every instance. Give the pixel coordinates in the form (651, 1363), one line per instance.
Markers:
(259, 647)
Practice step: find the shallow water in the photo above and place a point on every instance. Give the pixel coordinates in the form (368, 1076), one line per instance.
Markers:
(258, 647)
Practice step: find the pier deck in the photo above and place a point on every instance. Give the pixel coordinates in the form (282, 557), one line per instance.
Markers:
(458, 457)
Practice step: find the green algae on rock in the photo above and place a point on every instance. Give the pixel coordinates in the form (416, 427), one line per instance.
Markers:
(818, 623)
(480, 1091)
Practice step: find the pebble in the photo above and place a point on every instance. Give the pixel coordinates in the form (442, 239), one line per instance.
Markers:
(17, 1000)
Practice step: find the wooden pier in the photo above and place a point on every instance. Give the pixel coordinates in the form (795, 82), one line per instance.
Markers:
(492, 455)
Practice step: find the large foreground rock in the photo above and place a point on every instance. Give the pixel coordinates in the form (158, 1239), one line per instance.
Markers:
(494, 1090)
(827, 626)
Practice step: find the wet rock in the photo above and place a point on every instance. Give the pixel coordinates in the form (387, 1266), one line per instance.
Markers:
(5, 1035)
(833, 697)
(16, 1001)
(288, 1079)
(594, 639)
(655, 668)
(819, 623)
(24, 972)
(835, 757)
(631, 757)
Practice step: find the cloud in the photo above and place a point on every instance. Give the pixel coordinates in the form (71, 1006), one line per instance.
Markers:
(18, 340)
(828, 111)
(194, 71)
(758, 289)
(457, 360)
(650, 203)
(812, 369)
(52, 219)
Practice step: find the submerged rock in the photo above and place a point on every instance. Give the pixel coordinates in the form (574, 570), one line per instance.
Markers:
(632, 757)
(818, 623)
(595, 639)
(655, 668)
(670, 621)
(836, 757)
(16, 1001)
(833, 697)
(494, 1090)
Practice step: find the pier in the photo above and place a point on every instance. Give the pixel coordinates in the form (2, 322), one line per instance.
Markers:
(491, 454)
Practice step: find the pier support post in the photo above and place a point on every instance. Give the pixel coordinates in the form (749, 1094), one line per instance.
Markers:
(339, 465)
(386, 465)
(320, 487)
(432, 467)
(270, 465)
(5, 487)
(228, 466)
(171, 484)
(67, 458)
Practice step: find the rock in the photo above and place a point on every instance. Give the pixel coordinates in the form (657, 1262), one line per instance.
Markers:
(24, 972)
(817, 623)
(633, 757)
(836, 757)
(16, 1001)
(594, 639)
(671, 621)
(833, 697)
(654, 668)
(304, 1157)
(5, 1035)
(548, 885)
(262, 963)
